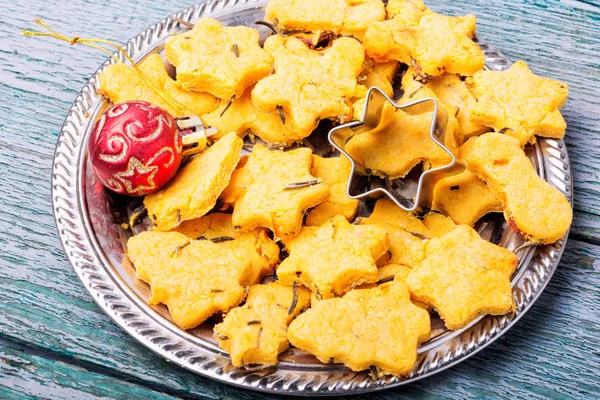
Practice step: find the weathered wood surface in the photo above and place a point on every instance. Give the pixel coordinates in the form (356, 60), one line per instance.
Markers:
(57, 344)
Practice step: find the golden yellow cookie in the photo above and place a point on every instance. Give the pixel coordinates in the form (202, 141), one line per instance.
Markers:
(242, 117)
(256, 246)
(197, 186)
(400, 146)
(464, 277)
(406, 233)
(387, 273)
(532, 207)
(438, 224)
(222, 61)
(334, 172)
(256, 332)
(518, 100)
(334, 257)
(464, 198)
(404, 7)
(345, 17)
(309, 85)
(373, 74)
(387, 212)
(275, 188)
(378, 329)
(193, 278)
(435, 44)
(415, 90)
(453, 91)
(120, 84)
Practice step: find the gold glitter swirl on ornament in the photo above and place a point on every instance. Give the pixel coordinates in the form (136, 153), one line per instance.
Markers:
(113, 184)
(99, 129)
(118, 110)
(144, 139)
(159, 153)
(115, 158)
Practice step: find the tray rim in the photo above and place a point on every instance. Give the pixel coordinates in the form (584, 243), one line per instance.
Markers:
(117, 301)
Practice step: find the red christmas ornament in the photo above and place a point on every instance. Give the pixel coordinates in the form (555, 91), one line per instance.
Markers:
(135, 148)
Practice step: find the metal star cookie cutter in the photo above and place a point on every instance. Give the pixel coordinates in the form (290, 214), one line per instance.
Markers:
(409, 193)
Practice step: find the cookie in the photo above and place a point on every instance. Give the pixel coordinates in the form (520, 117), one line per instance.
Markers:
(345, 17)
(519, 103)
(387, 212)
(438, 224)
(414, 90)
(434, 44)
(222, 61)
(242, 117)
(274, 190)
(197, 186)
(377, 329)
(334, 257)
(404, 7)
(255, 246)
(398, 272)
(256, 333)
(380, 75)
(120, 84)
(400, 146)
(532, 207)
(463, 277)
(193, 278)
(309, 85)
(451, 90)
(464, 198)
(334, 172)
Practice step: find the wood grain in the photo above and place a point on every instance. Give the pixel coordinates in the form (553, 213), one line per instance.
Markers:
(551, 353)
(24, 375)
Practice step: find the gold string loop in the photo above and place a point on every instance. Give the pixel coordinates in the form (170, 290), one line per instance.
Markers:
(95, 43)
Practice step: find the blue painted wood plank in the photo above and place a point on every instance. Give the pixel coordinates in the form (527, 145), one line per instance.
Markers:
(24, 375)
(551, 353)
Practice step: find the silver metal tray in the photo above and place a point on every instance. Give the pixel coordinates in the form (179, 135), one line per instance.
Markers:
(87, 219)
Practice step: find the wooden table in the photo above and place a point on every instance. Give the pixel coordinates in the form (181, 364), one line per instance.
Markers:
(56, 343)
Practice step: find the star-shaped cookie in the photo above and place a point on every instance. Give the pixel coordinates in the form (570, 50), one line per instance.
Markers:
(413, 90)
(197, 186)
(222, 61)
(334, 172)
(274, 190)
(256, 333)
(120, 84)
(373, 74)
(463, 277)
(438, 224)
(465, 198)
(519, 103)
(377, 329)
(393, 272)
(394, 150)
(309, 85)
(193, 278)
(334, 257)
(452, 91)
(405, 231)
(346, 17)
(255, 246)
(532, 207)
(434, 44)
(242, 117)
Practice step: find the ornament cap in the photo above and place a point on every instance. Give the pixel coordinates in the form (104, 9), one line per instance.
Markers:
(194, 134)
